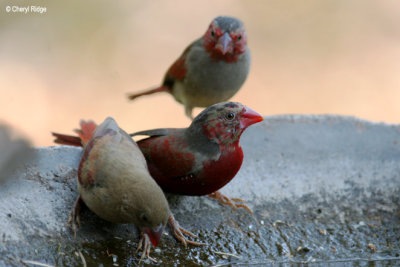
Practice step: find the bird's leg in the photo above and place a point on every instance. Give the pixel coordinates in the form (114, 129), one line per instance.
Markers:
(179, 231)
(74, 220)
(188, 111)
(224, 200)
(145, 243)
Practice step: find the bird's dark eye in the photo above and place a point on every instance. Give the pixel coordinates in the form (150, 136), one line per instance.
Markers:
(239, 37)
(230, 116)
(212, 33)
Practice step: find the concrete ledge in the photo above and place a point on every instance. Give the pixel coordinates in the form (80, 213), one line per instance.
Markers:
(322, 188)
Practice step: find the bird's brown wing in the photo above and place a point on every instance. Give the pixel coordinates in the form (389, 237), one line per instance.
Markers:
(167, 157)
(159, 132)
(106, 132)
(177, 71)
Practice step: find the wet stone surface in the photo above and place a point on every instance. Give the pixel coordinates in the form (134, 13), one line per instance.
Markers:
(322, 188)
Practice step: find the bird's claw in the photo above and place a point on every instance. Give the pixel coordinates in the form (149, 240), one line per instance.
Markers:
(145, 243)
(179, 233)
(224, 200)
(74, 219)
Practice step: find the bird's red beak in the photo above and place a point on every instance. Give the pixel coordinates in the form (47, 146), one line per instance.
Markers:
(249, 117)
(154, 234)
(224, 43)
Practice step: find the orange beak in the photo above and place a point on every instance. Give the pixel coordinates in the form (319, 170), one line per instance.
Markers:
(249, 117)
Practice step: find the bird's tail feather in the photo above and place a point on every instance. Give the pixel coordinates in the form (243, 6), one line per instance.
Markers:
(84, 135)
(149, 92)
(64, 139)
(86, 131)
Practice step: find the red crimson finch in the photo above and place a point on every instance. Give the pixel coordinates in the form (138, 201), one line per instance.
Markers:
(200, 159)
(211, 69)
(114, 182)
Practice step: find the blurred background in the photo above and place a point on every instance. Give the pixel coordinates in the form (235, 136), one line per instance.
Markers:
(79, 59)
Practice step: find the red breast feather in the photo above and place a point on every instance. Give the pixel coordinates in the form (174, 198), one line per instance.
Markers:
(203, 158)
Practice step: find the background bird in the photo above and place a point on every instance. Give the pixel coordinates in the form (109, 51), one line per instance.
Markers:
(200, 159)
(210, 70)
(114, 182)
(15, 152)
